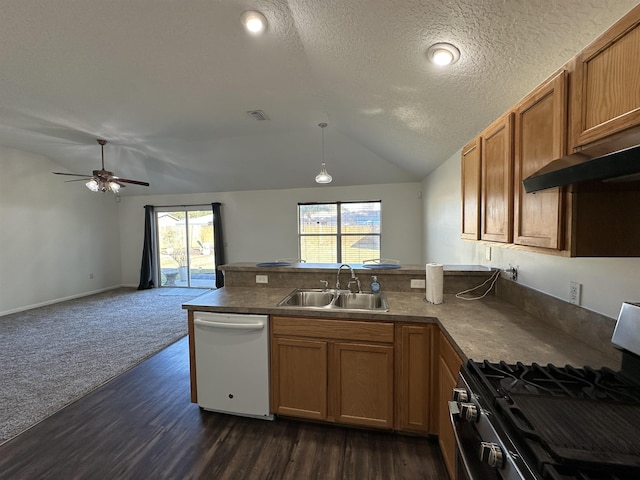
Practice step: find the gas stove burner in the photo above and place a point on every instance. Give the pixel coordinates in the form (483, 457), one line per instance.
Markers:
(516, 385)
(577, 422)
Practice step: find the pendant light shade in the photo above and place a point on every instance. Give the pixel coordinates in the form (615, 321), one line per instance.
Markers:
(323, 176)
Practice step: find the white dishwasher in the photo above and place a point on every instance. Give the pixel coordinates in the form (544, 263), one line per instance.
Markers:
(232, 363)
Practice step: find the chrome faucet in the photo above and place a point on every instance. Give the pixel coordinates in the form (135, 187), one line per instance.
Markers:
(354, 279)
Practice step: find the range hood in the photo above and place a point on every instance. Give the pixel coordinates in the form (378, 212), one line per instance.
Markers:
(578, 167)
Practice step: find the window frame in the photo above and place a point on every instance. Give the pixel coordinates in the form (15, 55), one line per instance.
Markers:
(339, 235)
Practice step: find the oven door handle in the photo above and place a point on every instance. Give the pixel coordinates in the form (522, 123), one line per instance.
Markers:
(454, 416)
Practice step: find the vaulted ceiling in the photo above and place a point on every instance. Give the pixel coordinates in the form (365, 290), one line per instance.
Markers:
(169, 83)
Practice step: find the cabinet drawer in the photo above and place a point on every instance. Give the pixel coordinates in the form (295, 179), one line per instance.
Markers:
(333, 329)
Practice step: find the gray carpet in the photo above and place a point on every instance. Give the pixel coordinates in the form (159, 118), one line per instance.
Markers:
(53, 355)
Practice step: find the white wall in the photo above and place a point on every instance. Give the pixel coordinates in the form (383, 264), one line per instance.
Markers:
(52, 235)
(262, 225)
(606, 282)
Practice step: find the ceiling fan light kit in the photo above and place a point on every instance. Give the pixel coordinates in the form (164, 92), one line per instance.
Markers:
(323, 176)
(103, 180)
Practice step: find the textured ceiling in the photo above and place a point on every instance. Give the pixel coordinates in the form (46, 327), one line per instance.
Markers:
(168, 84)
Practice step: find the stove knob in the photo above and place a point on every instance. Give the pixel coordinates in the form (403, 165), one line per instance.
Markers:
(469, 412)
(491, 454)
(460, 395)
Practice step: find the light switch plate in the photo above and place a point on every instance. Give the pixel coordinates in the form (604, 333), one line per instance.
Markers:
(262, 278)
(417, 283)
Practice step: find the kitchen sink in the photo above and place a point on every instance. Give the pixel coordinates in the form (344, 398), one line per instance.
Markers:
(307, 298)
(327, 299)
(362, 301)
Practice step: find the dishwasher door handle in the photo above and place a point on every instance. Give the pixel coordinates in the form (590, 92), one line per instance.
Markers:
(228, 325)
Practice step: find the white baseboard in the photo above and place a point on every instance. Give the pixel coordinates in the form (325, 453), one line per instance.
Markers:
(58, 300)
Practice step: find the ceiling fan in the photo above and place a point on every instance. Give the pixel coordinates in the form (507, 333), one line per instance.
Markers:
(102, 180)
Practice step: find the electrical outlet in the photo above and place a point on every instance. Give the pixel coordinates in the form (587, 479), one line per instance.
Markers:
(418, 283)
(487, 254)
(512, 272)
(575, 291)
(262, 278)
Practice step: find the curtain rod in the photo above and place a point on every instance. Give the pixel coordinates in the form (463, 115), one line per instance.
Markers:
(193, 205)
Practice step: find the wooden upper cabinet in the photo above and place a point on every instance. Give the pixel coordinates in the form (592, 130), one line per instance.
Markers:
(540, 126)
(606, 84)
(471, 190)
(497, 180)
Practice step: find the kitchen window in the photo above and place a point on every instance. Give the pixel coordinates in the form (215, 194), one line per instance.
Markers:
(339, 232)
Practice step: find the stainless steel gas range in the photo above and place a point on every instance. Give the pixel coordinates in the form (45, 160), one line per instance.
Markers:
(534, 422)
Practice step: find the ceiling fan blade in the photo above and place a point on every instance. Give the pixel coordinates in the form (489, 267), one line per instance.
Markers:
(135, 182)
(78, 180)
(72, 174)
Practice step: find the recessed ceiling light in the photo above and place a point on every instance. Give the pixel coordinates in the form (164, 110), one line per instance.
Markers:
(254, 22)
(443, 54)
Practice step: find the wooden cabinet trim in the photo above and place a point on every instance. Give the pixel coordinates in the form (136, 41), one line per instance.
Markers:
(333, 329)
(449, 363)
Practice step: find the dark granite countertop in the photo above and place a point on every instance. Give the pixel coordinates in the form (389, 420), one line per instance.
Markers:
(490, 328)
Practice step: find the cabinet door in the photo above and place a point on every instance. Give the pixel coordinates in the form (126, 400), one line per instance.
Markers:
(606, 86)
(471, 190)
(361, 379)
(299, 377)
(413, 354)
(539, 139)
(497, 180)
(449, 365)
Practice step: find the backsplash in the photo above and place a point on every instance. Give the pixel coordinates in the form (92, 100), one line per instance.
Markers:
(590, 327)
(244, 275)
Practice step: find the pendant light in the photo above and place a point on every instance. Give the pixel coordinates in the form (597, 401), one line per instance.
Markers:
(323, 176)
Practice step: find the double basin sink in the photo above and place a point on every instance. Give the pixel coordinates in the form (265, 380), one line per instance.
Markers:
(329, 299)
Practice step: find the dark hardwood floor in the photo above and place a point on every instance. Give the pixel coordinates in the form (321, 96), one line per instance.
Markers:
(141, 425)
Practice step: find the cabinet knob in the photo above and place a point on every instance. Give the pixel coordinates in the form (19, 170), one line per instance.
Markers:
(491, 454)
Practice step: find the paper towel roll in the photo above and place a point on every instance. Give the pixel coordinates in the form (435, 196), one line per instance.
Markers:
(435, 282)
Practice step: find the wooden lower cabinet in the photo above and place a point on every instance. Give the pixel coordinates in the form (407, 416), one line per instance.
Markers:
(299, 377)
(362, 384)
(448, 366)
(414, 349)
(333, 370)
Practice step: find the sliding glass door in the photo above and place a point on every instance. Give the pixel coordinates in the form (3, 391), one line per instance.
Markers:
(185, 248)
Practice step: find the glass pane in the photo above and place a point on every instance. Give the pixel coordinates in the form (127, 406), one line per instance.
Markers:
(318, 249)
(318, 219)
(201, 260)
(360, 217)
(172, 242)
(358, 248)
(185, 245)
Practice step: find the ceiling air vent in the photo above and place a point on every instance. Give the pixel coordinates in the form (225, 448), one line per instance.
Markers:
(258, 115)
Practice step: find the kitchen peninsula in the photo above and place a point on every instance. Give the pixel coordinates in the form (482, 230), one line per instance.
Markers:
(491, 328)
(394, 369)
